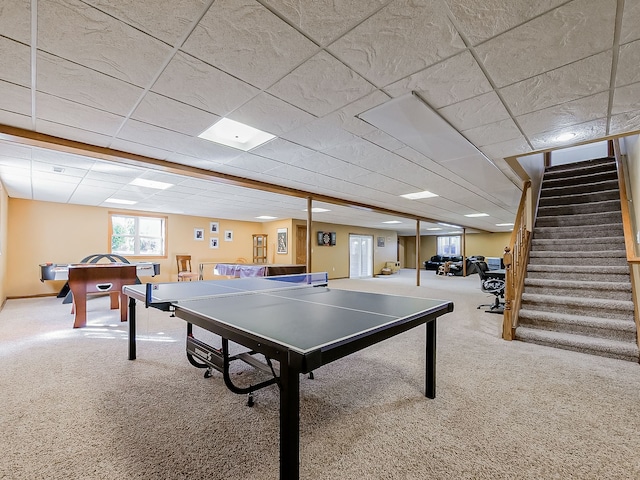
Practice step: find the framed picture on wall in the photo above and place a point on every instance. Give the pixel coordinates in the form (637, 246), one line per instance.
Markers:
(198, 234)
(214, 227)
(381, 241)
(282, 240)
(228, 235)
(213, 242)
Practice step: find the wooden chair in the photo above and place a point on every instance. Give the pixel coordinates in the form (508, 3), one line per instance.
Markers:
(184, 268)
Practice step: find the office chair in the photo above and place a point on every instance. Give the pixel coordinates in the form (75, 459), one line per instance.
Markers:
(492, 284)
(184, 268)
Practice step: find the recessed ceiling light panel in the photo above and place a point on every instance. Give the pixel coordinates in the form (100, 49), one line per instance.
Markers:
(418, 195)
(236, 135)
(473, 215)
(141, 182)
(120, 201)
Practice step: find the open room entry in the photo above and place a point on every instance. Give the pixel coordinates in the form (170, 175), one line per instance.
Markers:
(360, 256)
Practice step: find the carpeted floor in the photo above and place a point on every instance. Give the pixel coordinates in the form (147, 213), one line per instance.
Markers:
(73, 407)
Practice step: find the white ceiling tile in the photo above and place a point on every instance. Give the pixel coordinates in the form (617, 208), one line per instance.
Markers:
(580, 79)
(507, 149)
(139, 149)
(628, 61)
(72, 133)
(450, 81)
(394, 42)
(481, 110)
(626, 99)
(168, 21)
(630, 21)
(259, 47)
(177, 116)
(497, 132)
(253, 163)
(103, 44)
(213, 153)
(321, 85)
(270, 114)
(346, 119)
(90, 195)
(64, 79)
(319, 135)
(46, 190)
(15, 98)
(196, 83)
(66, 112)
(584, 133)
(283, 151)
(581, 27)
(15, 20)
(383, 140)
(325, 20)
(153, 136)
(18, 56)
(577, 111)
(480, 21)
(624, 122)
(15, 120)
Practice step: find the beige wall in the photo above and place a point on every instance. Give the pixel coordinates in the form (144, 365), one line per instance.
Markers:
(4, 228)
(40, 232)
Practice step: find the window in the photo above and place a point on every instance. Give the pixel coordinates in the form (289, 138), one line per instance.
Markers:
(449, 246)
(137, 235)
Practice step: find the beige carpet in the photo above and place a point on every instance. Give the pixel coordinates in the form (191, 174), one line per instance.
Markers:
(73, 407)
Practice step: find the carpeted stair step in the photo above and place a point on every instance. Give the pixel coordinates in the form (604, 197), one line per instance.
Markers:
(605, 230)
(579, 288)
(580, 343)
(580, 177)
(621, 330)
(596, 307)
(579, 220)
(549, 201)
(577, 244)
(577, 189)
(593, 258)
(569, 169)
(579, 272)
(580, 208)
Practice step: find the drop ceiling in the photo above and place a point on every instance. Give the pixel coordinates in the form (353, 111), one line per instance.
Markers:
(146, 78)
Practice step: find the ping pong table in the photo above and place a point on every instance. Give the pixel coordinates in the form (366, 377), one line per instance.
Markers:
(297, 321)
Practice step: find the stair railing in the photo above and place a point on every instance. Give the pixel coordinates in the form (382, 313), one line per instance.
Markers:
(628, 228)
(515, 259)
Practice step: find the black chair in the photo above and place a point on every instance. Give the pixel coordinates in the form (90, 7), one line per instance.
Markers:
(493, 284)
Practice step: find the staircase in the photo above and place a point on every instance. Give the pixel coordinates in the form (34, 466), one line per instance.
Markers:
(577, 293)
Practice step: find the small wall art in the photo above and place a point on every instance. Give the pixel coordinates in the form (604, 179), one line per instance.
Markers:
(214, 227)
(282, 240)
(213, 242)
(228, 235)
(198, 234)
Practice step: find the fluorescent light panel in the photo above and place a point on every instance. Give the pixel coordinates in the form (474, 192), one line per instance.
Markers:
(266, 217)
(504, 224)
(120, 201)
(477, 215)
(393, 221)
(235, 134)
(317, 210)
(418, 195)
(141, 182)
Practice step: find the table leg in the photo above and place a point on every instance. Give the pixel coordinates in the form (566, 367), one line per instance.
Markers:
(132, 328)
(289, 423)
(80, 309)
(430, 367)
(114, 298)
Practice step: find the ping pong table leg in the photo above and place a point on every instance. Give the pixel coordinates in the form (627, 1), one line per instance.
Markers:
(132, 328)
(430, 367)
(289, 422)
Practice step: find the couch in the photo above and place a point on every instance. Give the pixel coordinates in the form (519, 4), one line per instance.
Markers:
(455, 268)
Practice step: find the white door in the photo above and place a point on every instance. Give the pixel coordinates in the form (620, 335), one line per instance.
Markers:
(360, 256)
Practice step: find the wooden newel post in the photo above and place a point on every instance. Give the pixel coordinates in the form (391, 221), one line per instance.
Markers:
(507, 259)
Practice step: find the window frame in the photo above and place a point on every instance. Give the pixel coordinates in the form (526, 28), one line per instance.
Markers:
(136, 216)
(459, 237)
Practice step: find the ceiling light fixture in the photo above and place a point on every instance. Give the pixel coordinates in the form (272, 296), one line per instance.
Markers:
(120, 201)
(449, 225)
(473, 215)
(418, 195)
(141, 182)
(564, 137)
(58, 169)
(504, 224)
(235, 134)
(266, 217)
(392, 221)
(434, 228)
(317, 210)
